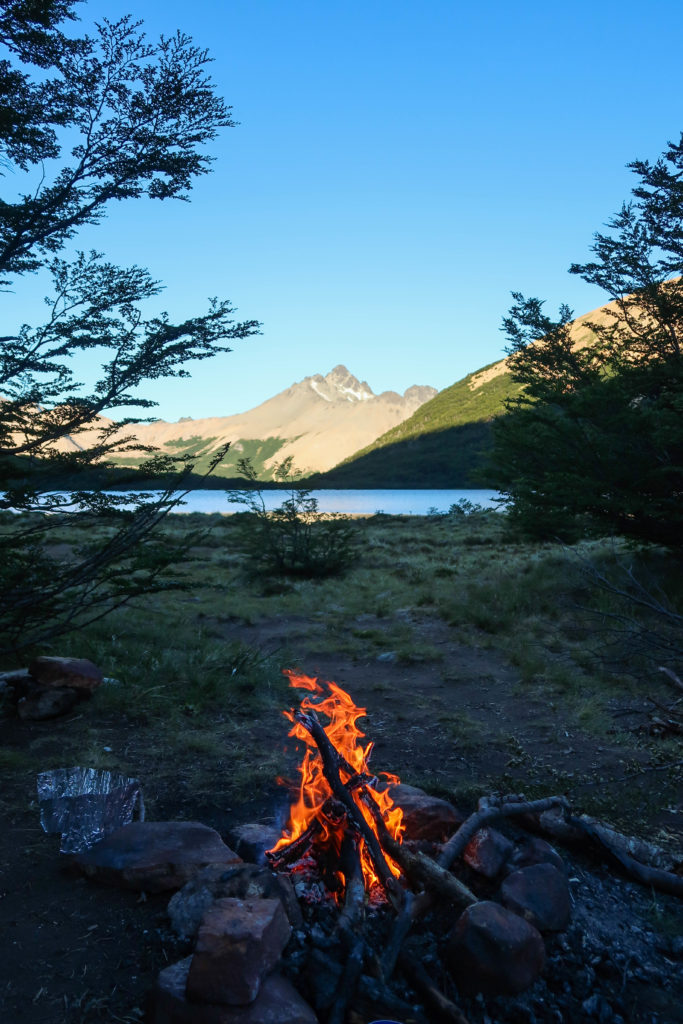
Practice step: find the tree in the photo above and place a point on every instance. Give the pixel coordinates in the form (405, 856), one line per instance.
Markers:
(89, 121)
(595, 440)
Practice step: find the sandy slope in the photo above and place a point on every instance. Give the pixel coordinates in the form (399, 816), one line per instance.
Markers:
(321, 420)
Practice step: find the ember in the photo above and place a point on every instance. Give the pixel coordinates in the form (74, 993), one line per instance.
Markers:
(342, 811)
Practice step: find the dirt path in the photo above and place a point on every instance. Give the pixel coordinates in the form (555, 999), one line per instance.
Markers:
(456, 721)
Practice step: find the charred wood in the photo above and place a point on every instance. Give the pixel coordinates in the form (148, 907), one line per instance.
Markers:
(331, 764)
(435, 999)
(354, 898)
(381, 1000)
(353, 968)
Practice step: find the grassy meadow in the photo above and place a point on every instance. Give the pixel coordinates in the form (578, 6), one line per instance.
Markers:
(485, 662)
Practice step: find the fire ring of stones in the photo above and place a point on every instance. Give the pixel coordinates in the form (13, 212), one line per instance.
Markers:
(379, 901)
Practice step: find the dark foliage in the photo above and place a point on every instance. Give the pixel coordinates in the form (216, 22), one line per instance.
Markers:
(294, 539)
(595, 440)
(88, 121)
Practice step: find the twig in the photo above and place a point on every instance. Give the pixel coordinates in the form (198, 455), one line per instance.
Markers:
(672, 676)
(488, 811)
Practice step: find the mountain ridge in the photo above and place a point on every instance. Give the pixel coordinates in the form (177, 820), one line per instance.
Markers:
(444, 442)
(317, 422)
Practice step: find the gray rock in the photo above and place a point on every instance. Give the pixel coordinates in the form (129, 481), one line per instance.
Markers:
(15, 678)
(155, 856)
(239, 942)
(539, 894)
(187, 907)
(253, 839)
(44, 704)
(278, 1002)
(493, 951)
(535, 851)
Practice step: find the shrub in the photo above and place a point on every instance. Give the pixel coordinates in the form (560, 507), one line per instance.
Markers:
(295, 539)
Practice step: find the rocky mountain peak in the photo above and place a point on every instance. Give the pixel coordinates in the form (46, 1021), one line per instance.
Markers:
(339, 385)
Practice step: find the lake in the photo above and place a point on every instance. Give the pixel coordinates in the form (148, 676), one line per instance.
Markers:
(354, 502)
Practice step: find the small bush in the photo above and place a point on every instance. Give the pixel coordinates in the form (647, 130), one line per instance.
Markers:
(295, 539)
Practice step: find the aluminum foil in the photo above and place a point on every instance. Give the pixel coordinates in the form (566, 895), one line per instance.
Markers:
(86, 804)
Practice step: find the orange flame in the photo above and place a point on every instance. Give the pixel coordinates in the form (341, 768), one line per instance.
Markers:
(314, 789)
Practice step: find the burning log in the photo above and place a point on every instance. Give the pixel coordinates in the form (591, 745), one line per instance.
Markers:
(331, 765)
(354, 897)
(419, 868)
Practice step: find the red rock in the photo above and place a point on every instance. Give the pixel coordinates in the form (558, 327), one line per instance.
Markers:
(238, 944)
(154, 856)
(278, 1002)
(43, 704)
(75, 673)
(492, 950)
(425, 816)
(487, 852)
(539, 894)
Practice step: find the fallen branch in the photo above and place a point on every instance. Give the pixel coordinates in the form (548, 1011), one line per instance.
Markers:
(631, 853)
(671, 676)
(489, 810)
(664, 881)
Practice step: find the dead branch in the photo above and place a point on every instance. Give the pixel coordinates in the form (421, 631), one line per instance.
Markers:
(418, 867)
(671, 676)
(433, 997)
(640, 860)
(664, 881)
(489, 810)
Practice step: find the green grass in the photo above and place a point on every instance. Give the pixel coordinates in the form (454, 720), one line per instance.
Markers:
(196, 710)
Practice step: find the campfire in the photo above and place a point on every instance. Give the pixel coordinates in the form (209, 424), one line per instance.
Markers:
(383, 901)
(390, 914)
(342, 814)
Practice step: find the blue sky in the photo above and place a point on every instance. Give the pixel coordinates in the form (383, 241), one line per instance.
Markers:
(399, 168)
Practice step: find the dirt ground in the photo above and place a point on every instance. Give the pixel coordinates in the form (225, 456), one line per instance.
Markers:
(76, 953)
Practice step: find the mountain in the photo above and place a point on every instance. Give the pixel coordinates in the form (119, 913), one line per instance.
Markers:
(318, 421)
(443, 443)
